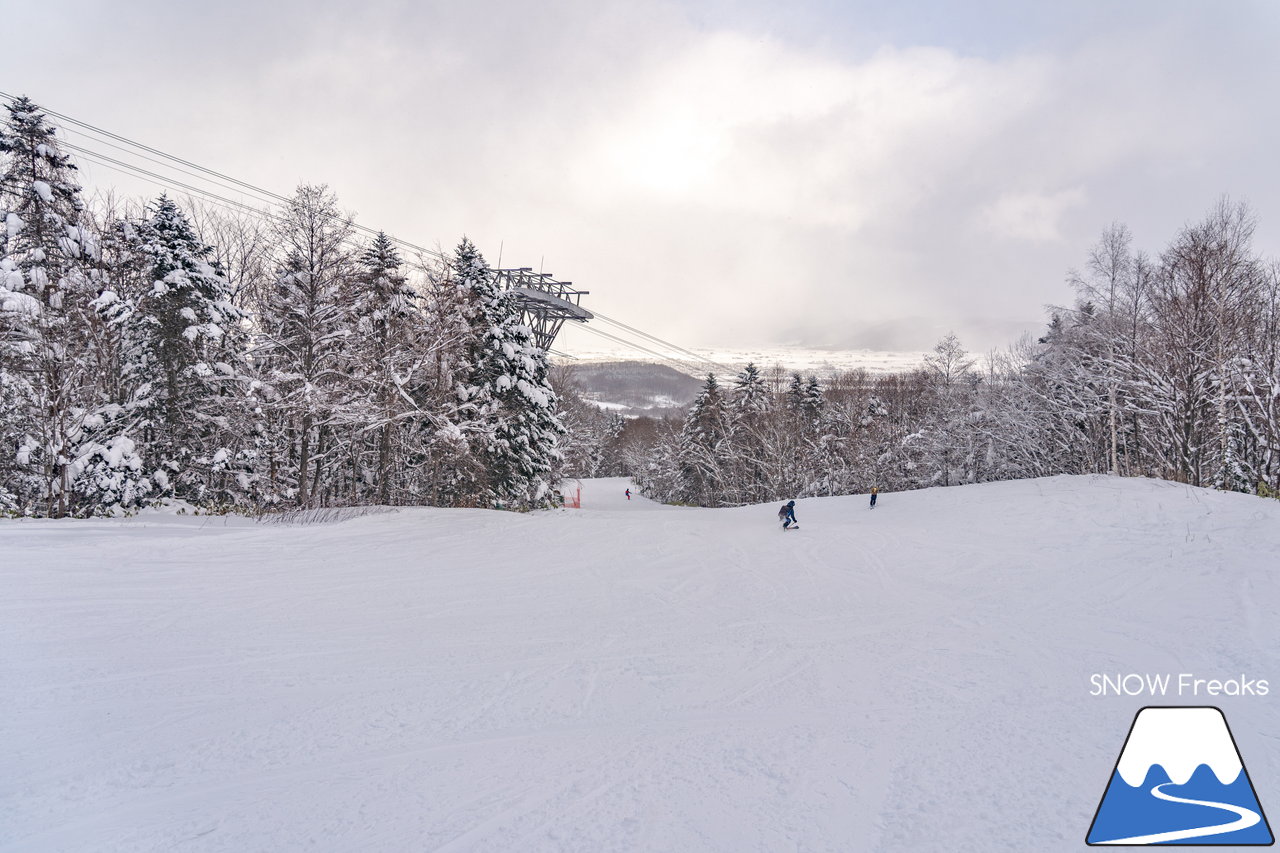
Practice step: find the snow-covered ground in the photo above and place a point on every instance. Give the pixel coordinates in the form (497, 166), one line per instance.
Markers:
(622, 677)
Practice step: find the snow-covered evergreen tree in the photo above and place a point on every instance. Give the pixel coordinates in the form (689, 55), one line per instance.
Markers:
(506, 393)
(750, 394)
(753, 445)
(812, 403)
(46, 285)
(384, 358)
(794, 397)
(703, 447)
(446, 473)
(183, 361)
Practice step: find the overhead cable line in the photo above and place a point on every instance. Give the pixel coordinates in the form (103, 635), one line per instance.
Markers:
(270, 200)
(665, 358)
(171, 183)
(660, 342)
(681, 354)
(161, 163)
(156, 151)
(632, 345)
(266, 215)
(276, 198)
(269, 213)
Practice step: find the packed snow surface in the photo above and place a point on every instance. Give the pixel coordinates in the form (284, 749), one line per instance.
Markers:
(622, 677)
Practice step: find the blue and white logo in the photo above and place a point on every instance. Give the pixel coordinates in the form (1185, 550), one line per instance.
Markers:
(1180, 781)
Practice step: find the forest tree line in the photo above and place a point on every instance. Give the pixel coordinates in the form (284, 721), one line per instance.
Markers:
(248, 362)
(1165, 366)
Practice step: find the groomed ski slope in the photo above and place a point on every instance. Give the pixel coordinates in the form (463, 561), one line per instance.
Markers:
(622, 677)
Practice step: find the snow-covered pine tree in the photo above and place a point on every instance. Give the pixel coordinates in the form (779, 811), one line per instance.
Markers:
(121, 277)
(702, 448)
(822, 441)
(750, 394)
(747, 477)
(183, 362)
(108, 474)
(1071, 396)
(14, 479)
(794, 399)
(384, 358)
(442, 469)
(813, 403)
(46, 285)
(507, 393)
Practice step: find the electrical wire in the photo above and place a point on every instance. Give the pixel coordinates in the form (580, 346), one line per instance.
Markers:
(695, 357)
(685, 367)
(270, 200)
(198, 176)
(216, 176)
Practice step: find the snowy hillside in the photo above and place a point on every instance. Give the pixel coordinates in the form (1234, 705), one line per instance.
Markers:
(824, 361)
(634, 388)
(626, 676)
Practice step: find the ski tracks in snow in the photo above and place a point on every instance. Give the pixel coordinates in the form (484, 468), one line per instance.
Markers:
(631, 677)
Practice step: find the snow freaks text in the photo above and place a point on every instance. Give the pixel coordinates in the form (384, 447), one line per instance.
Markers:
(1167, 684)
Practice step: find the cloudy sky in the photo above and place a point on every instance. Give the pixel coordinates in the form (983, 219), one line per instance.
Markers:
(725, 173)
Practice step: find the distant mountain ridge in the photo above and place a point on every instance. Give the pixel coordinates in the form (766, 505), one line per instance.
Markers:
(636, 388)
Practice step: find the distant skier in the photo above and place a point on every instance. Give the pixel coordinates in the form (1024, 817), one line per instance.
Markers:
(787, 515)
(875, 490)
(628, 494)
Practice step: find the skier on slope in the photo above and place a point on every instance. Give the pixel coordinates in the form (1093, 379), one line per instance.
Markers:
(787, 515)
(628, 494)
(875, 490)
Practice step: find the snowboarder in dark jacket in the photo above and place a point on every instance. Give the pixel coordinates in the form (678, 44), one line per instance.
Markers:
(787, 515)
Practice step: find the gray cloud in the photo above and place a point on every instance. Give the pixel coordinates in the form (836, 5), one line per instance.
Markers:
(715, 174)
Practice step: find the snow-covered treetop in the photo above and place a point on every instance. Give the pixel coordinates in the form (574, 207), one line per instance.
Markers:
(38, 168)
(750, 394)
(40, 208)
(182, 268)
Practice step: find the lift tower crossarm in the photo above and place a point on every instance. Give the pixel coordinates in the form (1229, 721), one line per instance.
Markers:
(544, 302)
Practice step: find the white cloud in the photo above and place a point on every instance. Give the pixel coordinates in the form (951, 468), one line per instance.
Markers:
(753, 126)
(706, 182)
(1036, 217)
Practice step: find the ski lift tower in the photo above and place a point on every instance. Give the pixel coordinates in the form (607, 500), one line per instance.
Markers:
(544, 302)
